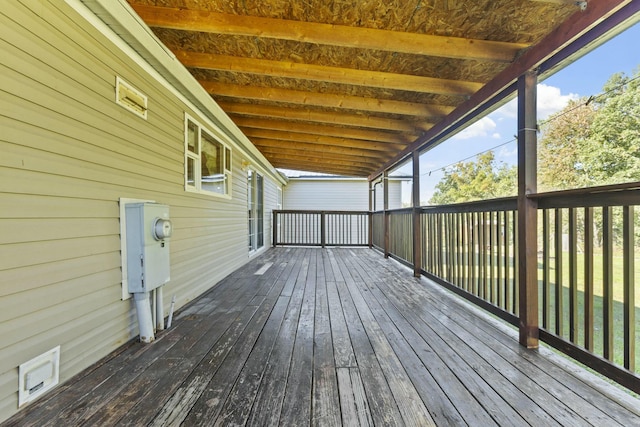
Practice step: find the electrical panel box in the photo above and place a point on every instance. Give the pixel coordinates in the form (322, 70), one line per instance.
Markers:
(148, 230)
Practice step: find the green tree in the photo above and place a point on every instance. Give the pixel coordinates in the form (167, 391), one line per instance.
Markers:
(561, 146)
(476, 180)
(593, 142)
(612, 154)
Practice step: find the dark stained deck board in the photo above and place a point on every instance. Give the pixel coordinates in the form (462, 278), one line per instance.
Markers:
(555, 381)
(326, 400)
(332, 337)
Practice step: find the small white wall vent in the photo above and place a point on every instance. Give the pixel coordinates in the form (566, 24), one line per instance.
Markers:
(131, 98)
(38, 375)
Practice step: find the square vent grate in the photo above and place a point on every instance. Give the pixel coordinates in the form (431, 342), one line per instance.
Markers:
(38, 375)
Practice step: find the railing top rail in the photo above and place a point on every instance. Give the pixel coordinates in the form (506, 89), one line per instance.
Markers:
(502, 204)
(318, 212)
(606, 195)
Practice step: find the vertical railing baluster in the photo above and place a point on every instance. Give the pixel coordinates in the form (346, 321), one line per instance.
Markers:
(472, 252)
(573, 276)
(607, 282)
(628, 261)
(516, 266)
(323, 219)
(492, 290)
(499, 260)
(546, 271)
(559, 293)
(588, 279)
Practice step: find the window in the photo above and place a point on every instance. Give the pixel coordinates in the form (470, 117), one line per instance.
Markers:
(255, 202)
(207, 161)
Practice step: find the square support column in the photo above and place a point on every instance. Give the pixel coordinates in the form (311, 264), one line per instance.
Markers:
(417, 246)
(527, 210)
(371, 209)
(385, 189)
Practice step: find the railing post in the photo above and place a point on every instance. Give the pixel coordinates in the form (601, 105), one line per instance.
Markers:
(417, 232)
(274, 227)
(385, 186)
(323, 240)
(527, 210)
(370, 215)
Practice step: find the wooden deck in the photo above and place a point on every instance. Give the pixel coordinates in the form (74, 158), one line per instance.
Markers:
(332, 337)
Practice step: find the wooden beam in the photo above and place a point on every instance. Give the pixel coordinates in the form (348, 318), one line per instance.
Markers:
(317, 157)
(309, 115)
(328, 130)
(527, 211)
(320, 73)
(387, 215)
(321, 168)
(321, 139)
(317, 99)
(500, 86)
(328, 34)
(376, 157)
(415, 199)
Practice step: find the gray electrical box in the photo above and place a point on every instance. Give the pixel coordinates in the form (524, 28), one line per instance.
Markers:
(148, 231)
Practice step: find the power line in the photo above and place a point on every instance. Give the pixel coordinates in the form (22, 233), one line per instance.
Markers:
(467, 158)
(589, 100)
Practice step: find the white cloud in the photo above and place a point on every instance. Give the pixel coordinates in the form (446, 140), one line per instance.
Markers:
(508, 151)
(550, 100)
(482, 128)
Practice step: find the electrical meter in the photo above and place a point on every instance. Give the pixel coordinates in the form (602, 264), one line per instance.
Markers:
(148, 232)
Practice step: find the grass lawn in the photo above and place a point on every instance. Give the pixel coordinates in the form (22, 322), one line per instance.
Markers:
(598, 305)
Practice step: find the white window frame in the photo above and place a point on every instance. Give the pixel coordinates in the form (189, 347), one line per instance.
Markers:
(255, 223)
(226, 154)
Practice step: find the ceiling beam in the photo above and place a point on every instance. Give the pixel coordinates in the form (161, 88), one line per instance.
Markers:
(330, 100)
(320, 157)
(321, 139)
(327, 34)
(328, 130)
(554, 43)
(353, 153)
(348, 76)
(307, 115)
(323, 166)
(360, 173)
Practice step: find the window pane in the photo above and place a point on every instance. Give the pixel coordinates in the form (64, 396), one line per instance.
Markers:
(259, 211)
(251, 207)
(211, 165)
(227, 158)
(191, 171)
(192, 137)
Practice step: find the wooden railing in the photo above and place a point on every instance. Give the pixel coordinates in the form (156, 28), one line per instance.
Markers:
(320, 228)
(588, 304)
(377, 225)
(587, 251)
(473, 246)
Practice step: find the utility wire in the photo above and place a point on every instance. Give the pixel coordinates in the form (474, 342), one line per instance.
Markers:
(467, 158)
(589, 100)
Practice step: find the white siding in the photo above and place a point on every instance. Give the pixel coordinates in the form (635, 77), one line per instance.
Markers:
(68, 152)
(337, 194)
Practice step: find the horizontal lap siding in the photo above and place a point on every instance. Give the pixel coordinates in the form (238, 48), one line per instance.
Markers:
(68, 152)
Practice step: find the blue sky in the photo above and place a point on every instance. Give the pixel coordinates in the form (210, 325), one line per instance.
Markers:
(583, 78)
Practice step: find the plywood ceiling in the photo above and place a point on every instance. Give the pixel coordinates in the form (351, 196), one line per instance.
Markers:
(343, 86)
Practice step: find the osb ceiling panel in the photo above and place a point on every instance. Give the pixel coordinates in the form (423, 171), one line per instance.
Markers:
(343, 86)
